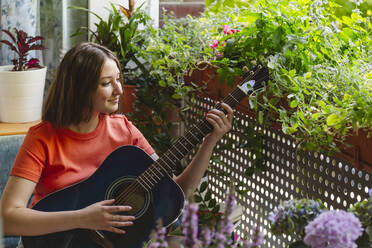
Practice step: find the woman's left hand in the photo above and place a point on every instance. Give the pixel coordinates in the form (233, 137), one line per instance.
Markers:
(221, 122)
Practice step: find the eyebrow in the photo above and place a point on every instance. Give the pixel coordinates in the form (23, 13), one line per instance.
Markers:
(109, 76)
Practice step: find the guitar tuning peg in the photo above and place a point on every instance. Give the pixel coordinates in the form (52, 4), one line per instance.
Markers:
(251, 72)
(259, 67)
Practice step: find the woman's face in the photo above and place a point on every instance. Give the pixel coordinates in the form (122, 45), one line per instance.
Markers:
(106, 98)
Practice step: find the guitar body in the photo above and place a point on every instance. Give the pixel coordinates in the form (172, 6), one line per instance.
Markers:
(132, 178)
(118, 171)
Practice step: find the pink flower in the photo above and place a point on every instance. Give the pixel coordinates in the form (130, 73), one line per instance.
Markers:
(214, 44)
(227, 29)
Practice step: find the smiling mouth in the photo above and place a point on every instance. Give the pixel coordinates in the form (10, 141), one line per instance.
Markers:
(114, 100)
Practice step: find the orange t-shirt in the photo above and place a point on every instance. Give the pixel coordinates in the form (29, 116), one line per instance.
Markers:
(56, 158)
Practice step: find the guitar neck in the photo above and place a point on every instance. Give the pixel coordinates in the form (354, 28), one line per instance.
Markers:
(167, 163)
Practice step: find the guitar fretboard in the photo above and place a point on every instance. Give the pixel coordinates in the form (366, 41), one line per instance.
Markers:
(167, 163)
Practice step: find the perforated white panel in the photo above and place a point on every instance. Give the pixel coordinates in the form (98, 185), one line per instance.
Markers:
(290, 174)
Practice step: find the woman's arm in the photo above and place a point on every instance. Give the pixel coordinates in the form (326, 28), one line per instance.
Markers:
(190, 178)
(20, 220)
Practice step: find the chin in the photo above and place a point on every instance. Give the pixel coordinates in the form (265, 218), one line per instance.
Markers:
(110, 110)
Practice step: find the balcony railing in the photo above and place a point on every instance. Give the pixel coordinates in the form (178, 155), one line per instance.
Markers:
(289, 174)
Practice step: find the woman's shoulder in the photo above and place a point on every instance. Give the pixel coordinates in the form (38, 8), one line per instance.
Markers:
(118, 121)
(44, 128)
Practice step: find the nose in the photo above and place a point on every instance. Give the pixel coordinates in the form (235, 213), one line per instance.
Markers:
(118, 90)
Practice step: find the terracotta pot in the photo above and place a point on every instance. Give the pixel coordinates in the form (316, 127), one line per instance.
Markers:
(358, 151)
(129, 105)
(207, 75)
(128, 98)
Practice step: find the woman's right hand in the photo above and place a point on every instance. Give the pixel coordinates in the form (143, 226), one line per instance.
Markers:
(103, 216)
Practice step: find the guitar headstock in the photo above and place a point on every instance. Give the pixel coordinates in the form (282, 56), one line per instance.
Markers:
(255, 80)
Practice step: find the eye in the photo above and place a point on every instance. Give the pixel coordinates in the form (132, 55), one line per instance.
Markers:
(105, 84)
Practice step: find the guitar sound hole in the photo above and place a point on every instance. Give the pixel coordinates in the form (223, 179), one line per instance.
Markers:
(127, 194)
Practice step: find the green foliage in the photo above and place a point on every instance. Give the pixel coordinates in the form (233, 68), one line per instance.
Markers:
(209, 211)
(319, 63)
(121, 34)
(291, 216)
(363, 210)
(220, 5)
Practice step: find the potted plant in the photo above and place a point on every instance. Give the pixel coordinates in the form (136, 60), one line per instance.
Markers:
(22, 84)
(320, 64)
(121, 34)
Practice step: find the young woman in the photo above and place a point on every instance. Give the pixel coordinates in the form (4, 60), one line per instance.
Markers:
(78, 131)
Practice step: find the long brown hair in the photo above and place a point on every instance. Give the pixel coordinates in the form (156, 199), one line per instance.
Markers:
(70, 98)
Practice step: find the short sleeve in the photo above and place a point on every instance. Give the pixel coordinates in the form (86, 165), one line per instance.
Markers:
(30, 159)
(138, 139)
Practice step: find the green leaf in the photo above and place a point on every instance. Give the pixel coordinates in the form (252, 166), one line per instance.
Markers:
(298, 244)
(198, 198)
(212, 203)
(315, 116)
(208, 195)
(292, 73)
(203, 186)
(260, 117)
(307, 75)
(333, 119)
(293, 104)
(162, 83)
(216, 209)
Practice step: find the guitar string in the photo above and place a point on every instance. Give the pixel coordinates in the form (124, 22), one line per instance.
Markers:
(132, 188)
(137, 185)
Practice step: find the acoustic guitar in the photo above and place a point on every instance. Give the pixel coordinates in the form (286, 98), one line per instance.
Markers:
(132, 178)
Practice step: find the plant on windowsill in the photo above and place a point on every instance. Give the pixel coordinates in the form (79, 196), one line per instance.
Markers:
(319, 62)
(22, 84)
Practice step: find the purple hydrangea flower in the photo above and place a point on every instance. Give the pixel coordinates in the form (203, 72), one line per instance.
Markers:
(333, 229)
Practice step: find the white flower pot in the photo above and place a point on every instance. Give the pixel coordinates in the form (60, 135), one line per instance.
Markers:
(21, 94)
